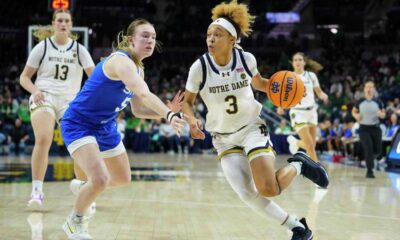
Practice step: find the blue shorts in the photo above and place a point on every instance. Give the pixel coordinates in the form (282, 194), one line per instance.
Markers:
(77, 133)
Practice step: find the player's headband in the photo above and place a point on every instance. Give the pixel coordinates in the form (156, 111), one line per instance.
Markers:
(227, 25)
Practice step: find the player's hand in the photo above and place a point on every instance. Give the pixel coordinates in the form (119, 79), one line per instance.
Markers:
(38, 98)
(176, 120)
(196, 127)
(176, 104)
(325, 98)
(280, 111)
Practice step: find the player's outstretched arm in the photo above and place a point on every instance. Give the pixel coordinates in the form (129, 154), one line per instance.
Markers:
(124, 68)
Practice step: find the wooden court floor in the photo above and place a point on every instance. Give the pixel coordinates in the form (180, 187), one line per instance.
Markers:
(186, 197)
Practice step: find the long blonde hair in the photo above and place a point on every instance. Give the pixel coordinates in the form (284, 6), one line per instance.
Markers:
(238, 14)
(47, 31)
(122, 42)
(311, 65)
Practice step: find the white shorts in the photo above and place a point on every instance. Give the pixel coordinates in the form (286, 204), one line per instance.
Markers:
(302, 118)
(54, 104)
(119, 149)
(253, 140)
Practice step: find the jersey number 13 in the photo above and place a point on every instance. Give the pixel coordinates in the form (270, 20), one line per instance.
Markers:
(61, 72)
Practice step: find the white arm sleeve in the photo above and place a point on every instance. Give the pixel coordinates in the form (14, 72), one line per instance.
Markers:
(36, 55)
(84, 57)
(314, 79)
(251, 63)
(195, 76)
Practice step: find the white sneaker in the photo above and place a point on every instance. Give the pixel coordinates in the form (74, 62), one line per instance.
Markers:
(293, 148)
(74, 186)
(36, 201)
(76, 228)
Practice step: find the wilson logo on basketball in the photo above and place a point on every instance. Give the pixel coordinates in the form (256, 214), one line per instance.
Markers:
(275, 87)
(289, 87)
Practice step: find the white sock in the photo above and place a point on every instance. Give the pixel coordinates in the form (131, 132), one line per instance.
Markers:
(37, 186)
(293, 222)
(297, 165)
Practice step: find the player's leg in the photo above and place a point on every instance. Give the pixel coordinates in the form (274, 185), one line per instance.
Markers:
(306, 141)
(237, 172)
(118, 166)
(43, 122)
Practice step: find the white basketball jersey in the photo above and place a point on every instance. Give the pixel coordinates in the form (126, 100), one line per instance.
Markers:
(310, 81)
(228, 94)
(60, 70)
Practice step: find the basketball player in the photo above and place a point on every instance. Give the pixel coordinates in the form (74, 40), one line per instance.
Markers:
(59, 61)
(89, 127)
(303, 116)
(224, 77)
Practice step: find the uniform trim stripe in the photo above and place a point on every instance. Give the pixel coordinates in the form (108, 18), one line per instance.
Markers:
(257, 150)
(52, 44)
(72, 44)
(77, 53)
(44, 52)
(244, 63)
(211, 64)
(204, 69)
(234, 60)
(302, 124)
(229, 151)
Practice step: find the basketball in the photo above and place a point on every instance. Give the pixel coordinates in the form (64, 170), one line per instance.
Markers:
(285, 89)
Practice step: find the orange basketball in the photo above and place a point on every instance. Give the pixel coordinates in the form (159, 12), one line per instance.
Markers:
(285, 89)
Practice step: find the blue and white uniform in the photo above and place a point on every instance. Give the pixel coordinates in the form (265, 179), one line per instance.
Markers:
(91, 116)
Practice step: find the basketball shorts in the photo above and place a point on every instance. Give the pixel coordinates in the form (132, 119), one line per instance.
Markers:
(77, 133)
(303, 118)
(252, 140)
(54, 104)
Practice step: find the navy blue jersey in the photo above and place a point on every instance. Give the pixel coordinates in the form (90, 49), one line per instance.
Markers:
(101, 98)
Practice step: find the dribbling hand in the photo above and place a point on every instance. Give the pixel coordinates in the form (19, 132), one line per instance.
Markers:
(38, 98)
(280, 111)
(196, 127)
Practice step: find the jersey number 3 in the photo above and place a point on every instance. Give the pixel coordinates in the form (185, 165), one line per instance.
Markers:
(233, 107)
(61, 72)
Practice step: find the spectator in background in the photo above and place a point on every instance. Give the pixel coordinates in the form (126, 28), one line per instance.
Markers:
(23, 112)
(168, 137)
(283, 128)
(17, 138)
(391, 129)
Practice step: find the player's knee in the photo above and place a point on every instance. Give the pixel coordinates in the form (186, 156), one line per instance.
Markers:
(43, 139)
(100, 182)
(268, 190)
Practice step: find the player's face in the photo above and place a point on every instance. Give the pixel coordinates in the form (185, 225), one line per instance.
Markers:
(63, 23)
(144, 40)
(298, 62)
(219, 41)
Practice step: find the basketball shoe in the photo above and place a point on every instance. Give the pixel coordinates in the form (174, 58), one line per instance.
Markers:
(36, 201)
(76, 228)
(300, 233)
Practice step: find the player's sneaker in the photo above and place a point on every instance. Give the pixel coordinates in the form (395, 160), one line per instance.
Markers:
(74, 186)
(311, 170)
(300, 233)
(36, 201)
(76, 228)
(293, 147)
